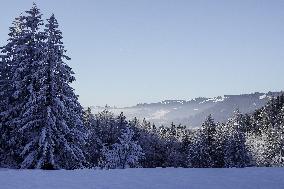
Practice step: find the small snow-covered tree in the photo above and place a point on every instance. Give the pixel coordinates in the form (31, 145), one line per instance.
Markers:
(172, 137)
(93, 142)
(274, 147)
(274, 132)
(88, 118)
(219, 139)
(154, 148)
(121, 122)
(202, 150)
(124, 154)
(235, 149)
(271, 131)
(106, 128)
(256, 147)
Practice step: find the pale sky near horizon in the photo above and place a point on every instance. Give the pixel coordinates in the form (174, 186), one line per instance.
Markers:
(129, 51)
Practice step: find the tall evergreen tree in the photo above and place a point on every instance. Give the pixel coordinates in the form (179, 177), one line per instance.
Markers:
(10, 59)
(22, 55)
(60, 133)
(44, 112)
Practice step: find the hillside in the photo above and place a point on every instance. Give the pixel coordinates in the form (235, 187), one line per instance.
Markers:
(193, 112)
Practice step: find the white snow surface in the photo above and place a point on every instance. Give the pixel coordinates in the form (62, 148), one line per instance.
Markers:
(159, 178)
(262, 96)
(215, 99)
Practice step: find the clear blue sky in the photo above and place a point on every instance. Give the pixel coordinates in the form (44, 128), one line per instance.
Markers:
(130, 51)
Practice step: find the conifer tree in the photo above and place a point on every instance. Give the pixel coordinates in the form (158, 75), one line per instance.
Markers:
(202, 150)
(219, 143)
(88, 118)
(272, 132)
(105, 127)
(93, 142)
(44, 113)
(55, 128)
(124, 154)
(236, 153)
(22, 56)
(274, 147)
(8, 61)
(121, 121)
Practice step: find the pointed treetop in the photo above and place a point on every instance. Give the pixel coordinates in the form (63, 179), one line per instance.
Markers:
(33, 18)
(34, 10)
(209, 120)
(52, 23)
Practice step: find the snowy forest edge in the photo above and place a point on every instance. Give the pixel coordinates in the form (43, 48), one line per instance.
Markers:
(43, 125)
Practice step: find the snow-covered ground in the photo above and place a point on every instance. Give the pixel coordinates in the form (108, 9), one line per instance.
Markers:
(159, 178)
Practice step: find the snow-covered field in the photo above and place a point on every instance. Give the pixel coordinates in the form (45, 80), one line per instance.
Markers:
(159, 178)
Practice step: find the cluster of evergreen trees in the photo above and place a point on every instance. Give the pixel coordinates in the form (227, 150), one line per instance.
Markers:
(243, 141)
(42, 124)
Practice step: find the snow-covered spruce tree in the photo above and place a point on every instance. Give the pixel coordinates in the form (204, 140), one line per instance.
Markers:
(272, 148)
(265, 139)
(279, 159)
(219, 139)
(154, 148)
(45, 114)
(88, 118)
(4, 86)
(273, 132)
(150, 140)
(53, 124)
(93, 142)
(196, 157)
(121, 122)
(185, 146)
(235, 149)
(21, 55)
(4, 130)
(270, 113)
(153, 145)
(256, 147)
(106, 128)
(202, 149)
(13, 54)
(124, 154)
(172, 137)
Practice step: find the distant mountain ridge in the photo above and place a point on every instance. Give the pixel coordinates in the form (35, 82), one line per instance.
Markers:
(193, 112)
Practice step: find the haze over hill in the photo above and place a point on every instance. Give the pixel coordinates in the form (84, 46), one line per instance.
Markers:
(193, 112)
